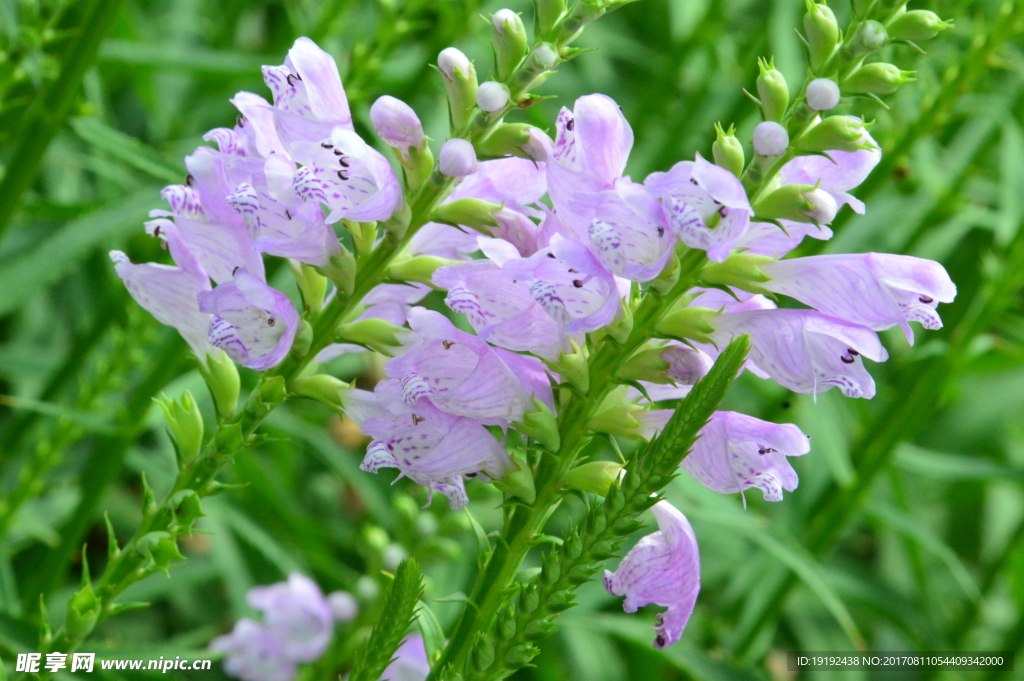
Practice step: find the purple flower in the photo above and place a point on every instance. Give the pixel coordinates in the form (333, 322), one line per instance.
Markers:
(354, 180)
(663, 568)
(253, 654)
(706, 206)
(206, 223)
(876, 290)
(254, 134)
(390, 302)
(431, 448)
(462, 375)
(297, 615)
(167, 292)
(279, 222)
(735, 452)
(579, 294)
(396, 124)
(806, 351)
(501, 309)
(629, 233)
(251, 322)
(410, 661)
(764, 238)
(309, 98)
(838, 174)
(457, 158)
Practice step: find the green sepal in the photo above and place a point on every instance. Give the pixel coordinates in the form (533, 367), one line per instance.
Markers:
(113, 548)
(473, 213)
(742, 270)
(461, 90)
(574, 368)
(727, 151)
(312, 285)
(616, 416)
(683, 322)
(187, 509)
(595, 477)
(786, 203)
(381, 335)
(519, 480)
(822, 34)
(621, 328)
(547, 14)
(667, 278)
(540, 424)
(506, 140)
(510, 45)
(772, 90)
(221, 376)
(159, 548)
(118, 608)
(877, 78)
(420, 268)
(918, 24)
(871, 36)
(148, 498)
(84, 607)
(418, 167)
(645, 365)
(341, 269)
(303, 340)
(185, 424)
(322, 388)
(45, 633)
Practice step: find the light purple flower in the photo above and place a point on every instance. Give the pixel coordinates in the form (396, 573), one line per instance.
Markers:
(252, 322)
(396, 124)
(457, 158)
(168, 292)
(664, 569)
(736, 452)
(706, 206)
(354, 180)
(686, 365)
(279, 222)
(297, 615)
(579, 294)
(253, 654)
(410, 661)
(462, 375)
(764, 238)
(309, 99)
(501, 309)
(629, 233)
(254, 134)
(838, 174)
(806, 351)
(206, 223)
(876, 290)
(432, 448)
(390, 302)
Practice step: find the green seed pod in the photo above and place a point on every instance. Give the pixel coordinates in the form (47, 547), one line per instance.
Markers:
(918, 25)
(727, 150)
(185, 424)
(773, 91)
(221, 377)
(822, 33)
(835, 133)
(876, 79)
(870, 37)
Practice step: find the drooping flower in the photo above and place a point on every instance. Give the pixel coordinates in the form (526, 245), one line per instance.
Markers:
(663, 568)
(432, 448)
(876, 290)
(297, 615)
(168, 292)
(736, 452)
(254, 654)
(705, 205)
(501, 309)
(410, 661)
(252, 322)
(806, 351)
(462, 375)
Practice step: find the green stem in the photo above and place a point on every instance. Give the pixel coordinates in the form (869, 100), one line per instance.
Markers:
(524, 523)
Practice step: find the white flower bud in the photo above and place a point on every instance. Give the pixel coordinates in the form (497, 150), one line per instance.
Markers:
(457, 158)
(396, 124)
(451, 59)
(822, 94)
(392, 556)
(344, 606)
(506, 16)
(770, 139)
(825, 208)
(545, 55)
(491, 96)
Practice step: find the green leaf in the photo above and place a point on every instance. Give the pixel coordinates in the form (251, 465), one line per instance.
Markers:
(130, 150)
(430, 629)
(183, 57)
(395, 619)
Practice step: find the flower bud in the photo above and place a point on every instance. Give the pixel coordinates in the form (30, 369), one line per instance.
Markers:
(595, 477)
(185, 424)
(457, 158)
(574, 368)
(536, 148)
(687, 365)
(474, 213)
(540, 424)
(419, 269)
(870, 37)
(822, 33)
(460, 83)
(770, 139)
(616, 416)
(548, 13)
(378, 334)
(835, 133)
(788, 202)
(492, 96)
(683, 322)
(773, 91)
(877, 79)
(510, 41)
(823, 206)
(645, 365)
(518, 481)
(917, 25)
(741, 270)
(221, 377)
(727, 150)
(822, 94)
(312, 285)
(508, 139)
(344, 606)
(322, 388)
(397, 124)
(341, 269)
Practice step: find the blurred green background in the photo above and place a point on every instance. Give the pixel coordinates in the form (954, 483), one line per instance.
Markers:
(905, 533)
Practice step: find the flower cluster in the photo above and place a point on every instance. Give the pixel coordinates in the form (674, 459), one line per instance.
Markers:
(554, 278)
(298, 622)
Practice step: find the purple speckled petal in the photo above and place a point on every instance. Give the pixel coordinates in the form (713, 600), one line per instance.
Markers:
(876, 290)
(625, 241)
(805, 350)
(664, 569)
(736, 452)
(255, 126)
